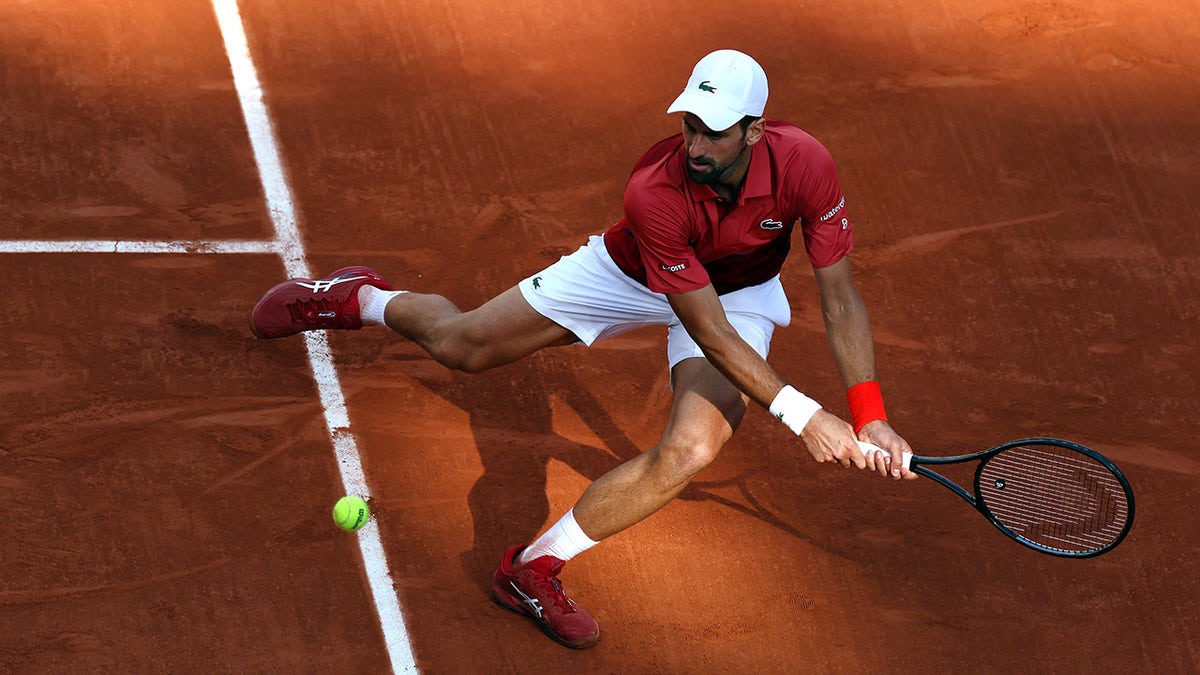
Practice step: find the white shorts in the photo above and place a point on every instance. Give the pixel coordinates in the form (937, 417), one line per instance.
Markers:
(587, 294)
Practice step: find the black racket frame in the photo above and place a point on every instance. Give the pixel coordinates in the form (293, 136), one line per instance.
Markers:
(980, 505)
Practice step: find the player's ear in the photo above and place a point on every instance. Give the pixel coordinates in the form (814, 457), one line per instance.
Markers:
(754, 132)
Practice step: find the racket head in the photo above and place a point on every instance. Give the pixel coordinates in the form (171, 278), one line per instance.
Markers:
(1055, 496)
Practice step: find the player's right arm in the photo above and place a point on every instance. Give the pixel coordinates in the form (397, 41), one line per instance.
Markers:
(825, 436)
(658, 214)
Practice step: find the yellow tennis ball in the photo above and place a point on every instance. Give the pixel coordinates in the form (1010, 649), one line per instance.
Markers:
(351, 513)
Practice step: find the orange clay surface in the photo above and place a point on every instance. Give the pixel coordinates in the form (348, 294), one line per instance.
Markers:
(1023, 176)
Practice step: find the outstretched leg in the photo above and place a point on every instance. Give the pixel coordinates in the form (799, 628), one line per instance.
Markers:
(499, 332)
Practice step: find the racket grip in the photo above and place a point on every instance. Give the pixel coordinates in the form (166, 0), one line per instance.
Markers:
(868, 448)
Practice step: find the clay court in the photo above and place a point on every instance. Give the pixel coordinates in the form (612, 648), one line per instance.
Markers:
(1023, 177)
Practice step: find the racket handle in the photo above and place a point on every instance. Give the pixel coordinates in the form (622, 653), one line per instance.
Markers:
(868, 448)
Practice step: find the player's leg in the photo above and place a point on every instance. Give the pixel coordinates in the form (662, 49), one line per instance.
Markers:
(705, 411)
(704, 414)
(500, 331)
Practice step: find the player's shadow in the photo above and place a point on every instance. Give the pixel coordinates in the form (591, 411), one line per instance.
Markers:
(512, 421)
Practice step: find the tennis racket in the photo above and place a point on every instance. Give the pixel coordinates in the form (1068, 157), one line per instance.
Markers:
(1054, 496)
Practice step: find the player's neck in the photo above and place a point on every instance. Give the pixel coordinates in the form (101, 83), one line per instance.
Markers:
(729, 186)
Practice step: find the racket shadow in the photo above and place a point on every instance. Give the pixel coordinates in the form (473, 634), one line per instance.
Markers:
(745, 485)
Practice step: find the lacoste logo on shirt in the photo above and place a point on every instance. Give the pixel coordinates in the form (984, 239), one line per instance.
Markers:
(674, 268)
(769, 224)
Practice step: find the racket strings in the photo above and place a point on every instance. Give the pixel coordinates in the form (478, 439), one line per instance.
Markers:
(1054, 497)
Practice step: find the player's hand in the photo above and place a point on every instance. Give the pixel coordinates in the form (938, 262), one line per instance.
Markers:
(882, 434)
(830, 439)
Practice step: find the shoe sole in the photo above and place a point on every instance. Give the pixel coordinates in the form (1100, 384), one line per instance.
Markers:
(507, 601)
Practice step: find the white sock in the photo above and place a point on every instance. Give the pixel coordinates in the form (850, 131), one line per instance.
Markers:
(372, 302)
(564, 541)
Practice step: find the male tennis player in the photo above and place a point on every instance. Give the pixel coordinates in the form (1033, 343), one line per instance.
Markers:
(709, 215)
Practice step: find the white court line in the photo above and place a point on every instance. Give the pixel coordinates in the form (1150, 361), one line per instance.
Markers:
(290, 247)
(124, 246)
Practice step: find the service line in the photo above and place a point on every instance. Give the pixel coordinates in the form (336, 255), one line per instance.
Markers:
(135, 246)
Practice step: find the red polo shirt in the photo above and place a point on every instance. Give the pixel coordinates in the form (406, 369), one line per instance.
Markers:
(678, 235)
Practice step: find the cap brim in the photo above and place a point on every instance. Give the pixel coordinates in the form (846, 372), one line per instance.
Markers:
(714, 115)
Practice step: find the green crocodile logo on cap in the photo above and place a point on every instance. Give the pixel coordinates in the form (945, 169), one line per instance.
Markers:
(705, 86)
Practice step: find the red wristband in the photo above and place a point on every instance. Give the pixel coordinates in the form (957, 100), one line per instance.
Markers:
(866, 404)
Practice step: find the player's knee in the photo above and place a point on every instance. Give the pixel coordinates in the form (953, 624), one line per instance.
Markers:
(680, 461)
(475, 362)
(456, 358)
(449, 347)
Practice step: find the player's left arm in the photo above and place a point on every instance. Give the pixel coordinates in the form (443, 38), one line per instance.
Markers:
(848, 331)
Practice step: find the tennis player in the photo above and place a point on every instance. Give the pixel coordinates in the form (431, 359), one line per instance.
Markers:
(708, 221)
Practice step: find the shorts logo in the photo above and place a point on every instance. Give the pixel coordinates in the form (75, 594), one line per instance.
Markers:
(705, 86)
(769, 224)
(833, 212)
(675, 268)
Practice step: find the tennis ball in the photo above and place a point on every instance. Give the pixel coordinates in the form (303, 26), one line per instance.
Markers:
(351, 513)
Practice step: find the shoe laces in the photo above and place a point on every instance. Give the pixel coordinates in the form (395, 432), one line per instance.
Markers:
(554, 585)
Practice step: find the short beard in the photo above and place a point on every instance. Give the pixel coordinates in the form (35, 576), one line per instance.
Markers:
(714, 172)
(707, 176)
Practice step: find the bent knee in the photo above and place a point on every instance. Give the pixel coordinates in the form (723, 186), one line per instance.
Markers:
(475, 362)
(458, 350)
(464, 358)
(679, 462)
(461, 345)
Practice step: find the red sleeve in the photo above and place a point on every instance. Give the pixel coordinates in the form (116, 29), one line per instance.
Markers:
(828, 234)
(663, 227)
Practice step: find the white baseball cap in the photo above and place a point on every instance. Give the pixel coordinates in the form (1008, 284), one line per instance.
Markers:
(725, 86)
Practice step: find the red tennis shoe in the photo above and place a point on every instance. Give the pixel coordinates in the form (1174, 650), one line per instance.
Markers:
(534, 590)
(297, 305)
